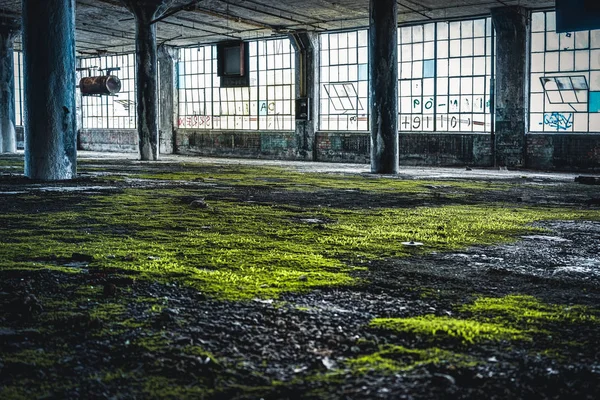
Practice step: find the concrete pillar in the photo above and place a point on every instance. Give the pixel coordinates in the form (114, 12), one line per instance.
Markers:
(146, 74)
(383, 79)
(306, 46)
(147, 85)
(167, 102)
(49, 83)
(9, 29)
(510, 24)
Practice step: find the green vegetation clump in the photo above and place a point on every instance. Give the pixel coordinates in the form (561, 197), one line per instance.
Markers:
(512, 317)
(392, 359)
(35, 357)
(467, 331)
(509, 318)
(305, 181)
(233, 250)
(522, 309)
(238, 250)
(161, 387)
(200, 352)
(29, 388)
(108, 311)
(153, 342)
(11, 162)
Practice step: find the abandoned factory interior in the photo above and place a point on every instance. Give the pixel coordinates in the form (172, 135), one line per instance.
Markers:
(316, 199)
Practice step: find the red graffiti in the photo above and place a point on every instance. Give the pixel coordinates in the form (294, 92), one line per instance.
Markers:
(194, 121)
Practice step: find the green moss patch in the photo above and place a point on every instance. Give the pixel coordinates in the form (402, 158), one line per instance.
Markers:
(521, 309)
(513, 317)
(233, 250)
(160, 387)
(35, 357)
(392, 359)
(468, 331)
(306, 181)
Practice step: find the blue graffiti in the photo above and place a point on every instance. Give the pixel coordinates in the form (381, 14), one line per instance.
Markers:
(559, 121)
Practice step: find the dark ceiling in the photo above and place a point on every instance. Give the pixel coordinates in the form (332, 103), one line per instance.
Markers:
(107, 26)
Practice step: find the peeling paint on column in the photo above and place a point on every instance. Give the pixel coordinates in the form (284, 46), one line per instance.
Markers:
(146, 56)
(306, 45)
(510, 24)
(8, 137)
(147, 86)
(167, 100)
(383, 77)
(49, 83)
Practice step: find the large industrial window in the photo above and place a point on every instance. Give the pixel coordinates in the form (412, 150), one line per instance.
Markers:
(444, 76)
(344, 86)
(110, 112)
(267, 104)
(18, 65)
(565, 78)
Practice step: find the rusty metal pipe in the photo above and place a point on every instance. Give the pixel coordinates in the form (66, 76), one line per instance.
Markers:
(95, 85)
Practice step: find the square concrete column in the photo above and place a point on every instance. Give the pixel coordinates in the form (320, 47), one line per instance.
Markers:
(306, 46)
(9, 29)
(510, 24)
(146, 57)
(167, 102)
(383, 85)
(49, 83)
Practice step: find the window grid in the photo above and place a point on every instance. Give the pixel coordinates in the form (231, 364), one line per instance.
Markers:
(18, 71)
(565, 78)
(344, 81)
(111, 112)
(444, 76)
(268, 103)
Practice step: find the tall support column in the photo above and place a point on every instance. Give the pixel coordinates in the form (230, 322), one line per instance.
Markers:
(147, 85)
(9, 29)
(49, 83)
(383, 78)
(307, 62)
(146, 56)
(510, 24)
(168, 98)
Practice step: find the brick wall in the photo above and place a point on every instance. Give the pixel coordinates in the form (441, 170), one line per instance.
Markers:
(120, 140)
(343, 147)
(563, 152)
(415, 148)
(276, 145)
(452, 149)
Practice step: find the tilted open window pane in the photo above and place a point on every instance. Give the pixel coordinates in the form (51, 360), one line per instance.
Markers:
(343, 81)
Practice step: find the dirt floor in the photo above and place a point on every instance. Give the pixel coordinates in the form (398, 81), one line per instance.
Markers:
(248, 279)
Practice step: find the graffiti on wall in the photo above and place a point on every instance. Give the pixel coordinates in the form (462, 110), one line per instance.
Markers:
(243, 113)
(195, 121)
(559, 121)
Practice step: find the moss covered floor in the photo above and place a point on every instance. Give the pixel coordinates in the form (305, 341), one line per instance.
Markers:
(208, 279)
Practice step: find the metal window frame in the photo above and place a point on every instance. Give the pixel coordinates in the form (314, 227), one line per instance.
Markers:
(555, 74)
(98, 109)
(223, 98)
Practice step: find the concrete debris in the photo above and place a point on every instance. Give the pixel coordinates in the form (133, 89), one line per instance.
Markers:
(587, 180)
(200, 203)
(412, 244)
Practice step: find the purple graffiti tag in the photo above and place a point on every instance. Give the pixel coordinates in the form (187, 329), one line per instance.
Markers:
(559, 121)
